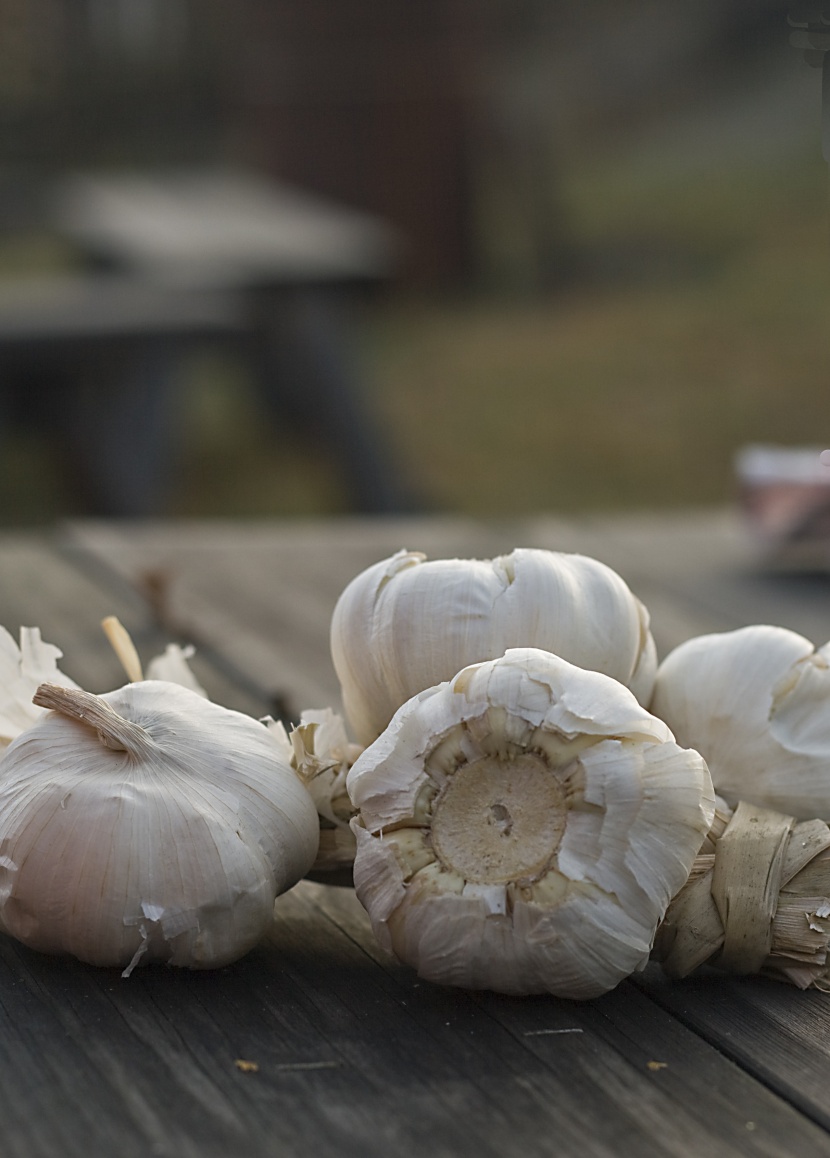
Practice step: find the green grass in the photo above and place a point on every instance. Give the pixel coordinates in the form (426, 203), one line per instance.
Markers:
(638, 391)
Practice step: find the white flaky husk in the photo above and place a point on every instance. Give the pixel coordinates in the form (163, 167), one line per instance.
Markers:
(406, 624)
(22, 670)
(322, 754)
(756, 704)
(580, 818)
(147, 824)
(172, 666)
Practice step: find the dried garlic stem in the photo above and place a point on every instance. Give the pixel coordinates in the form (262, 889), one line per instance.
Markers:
(124, 648)
(113, 730)
(757, 901)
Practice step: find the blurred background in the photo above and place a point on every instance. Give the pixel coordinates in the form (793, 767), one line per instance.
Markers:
(298, 257)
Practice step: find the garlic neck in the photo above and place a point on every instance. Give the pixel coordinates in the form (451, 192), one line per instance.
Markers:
(757, 901)
(113, 730)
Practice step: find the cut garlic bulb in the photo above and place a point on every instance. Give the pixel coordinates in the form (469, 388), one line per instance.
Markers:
(406, 624)
(756, 704)
(523, 828)
(147, 824)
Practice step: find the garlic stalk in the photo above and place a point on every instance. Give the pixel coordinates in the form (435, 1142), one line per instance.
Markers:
(757, 901)
(147, 824)
(25, 667)
(406, 624)
(524, 827)
(171, 665)
(756, 704)
(123, 646)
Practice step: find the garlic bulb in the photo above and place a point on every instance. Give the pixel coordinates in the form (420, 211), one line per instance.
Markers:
(523, 828)
(406, 624)
(756, 704)
(147, 824)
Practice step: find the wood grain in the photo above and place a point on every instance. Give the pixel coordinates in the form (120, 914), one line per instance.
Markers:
(779, 1034)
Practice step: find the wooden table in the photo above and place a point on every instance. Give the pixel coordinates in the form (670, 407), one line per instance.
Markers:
(353, 1054)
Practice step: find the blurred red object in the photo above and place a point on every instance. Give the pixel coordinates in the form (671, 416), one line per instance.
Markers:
(784, 496)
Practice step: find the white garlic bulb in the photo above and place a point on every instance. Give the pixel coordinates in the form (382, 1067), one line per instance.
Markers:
(406, 624)
(523, 828)
(147, 824)
(755, 702)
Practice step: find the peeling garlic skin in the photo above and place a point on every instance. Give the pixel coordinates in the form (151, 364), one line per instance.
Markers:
(321, 753)
(756, 703)
(407, 623)
(523, 827)
(174, 852)
(22, 670)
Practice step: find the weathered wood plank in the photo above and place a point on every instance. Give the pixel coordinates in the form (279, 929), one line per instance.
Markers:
(779, 1034)
(356, 1056)
(262, 593)
(645, 1083)
(43, 587)
(264, 599)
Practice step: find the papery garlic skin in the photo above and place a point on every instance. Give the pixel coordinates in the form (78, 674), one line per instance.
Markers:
(407, 623)
(755, 702)
(172, 666)
(22, 670)
(173, 850)
(322, 756)
(523, 827)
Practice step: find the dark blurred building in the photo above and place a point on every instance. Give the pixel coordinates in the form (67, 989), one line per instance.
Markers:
(368, 101)
(372, 102)
(449, 118)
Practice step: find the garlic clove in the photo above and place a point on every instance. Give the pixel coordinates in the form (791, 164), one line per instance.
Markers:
(148, 824)
(406, 624)
(524, 826)
(756, 703)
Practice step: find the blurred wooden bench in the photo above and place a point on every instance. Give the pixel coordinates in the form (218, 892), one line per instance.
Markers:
(171, 261)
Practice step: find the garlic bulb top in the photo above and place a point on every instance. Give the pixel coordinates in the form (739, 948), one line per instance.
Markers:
(756, 704)
(523, 828)
(147, 824)
(406, 624)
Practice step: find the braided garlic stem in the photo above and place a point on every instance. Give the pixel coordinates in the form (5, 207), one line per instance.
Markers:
(757, 901)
